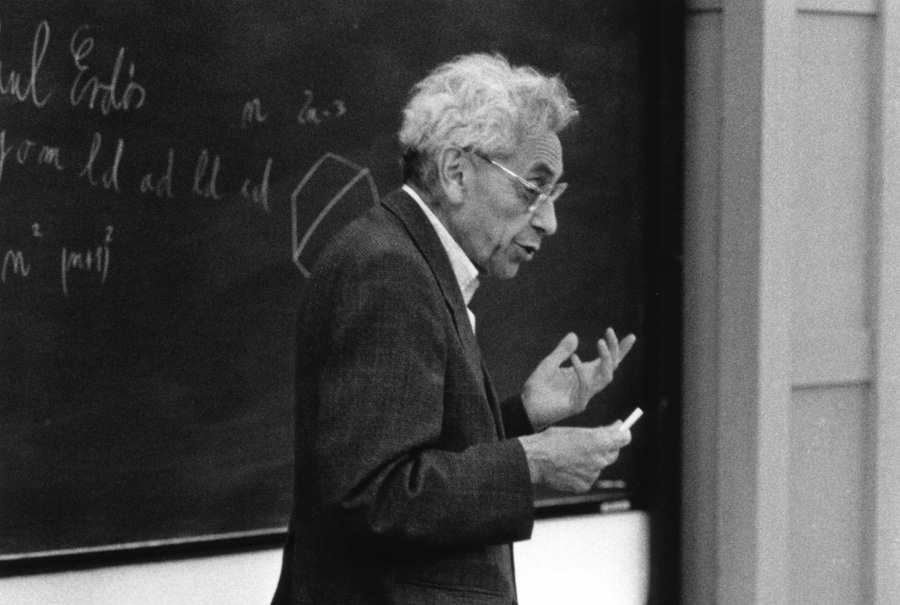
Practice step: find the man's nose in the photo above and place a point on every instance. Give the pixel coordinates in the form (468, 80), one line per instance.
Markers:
(544, 218)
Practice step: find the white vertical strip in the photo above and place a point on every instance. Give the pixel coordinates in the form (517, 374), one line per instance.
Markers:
(886, 426)
(758, 179)
(739, 312)
(702, 132)
(779, 179)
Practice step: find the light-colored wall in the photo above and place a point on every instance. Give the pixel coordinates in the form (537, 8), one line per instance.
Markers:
(791, 416)
(830, 304)
(577, 560)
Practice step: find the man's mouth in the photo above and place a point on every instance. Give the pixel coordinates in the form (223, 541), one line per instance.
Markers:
(530, 250)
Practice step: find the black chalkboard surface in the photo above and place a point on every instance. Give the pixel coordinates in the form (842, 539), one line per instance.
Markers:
(168, 171)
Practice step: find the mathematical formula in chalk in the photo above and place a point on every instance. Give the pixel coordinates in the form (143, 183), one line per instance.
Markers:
(77, 267)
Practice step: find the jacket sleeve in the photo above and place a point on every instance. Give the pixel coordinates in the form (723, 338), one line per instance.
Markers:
(384, 475)
(515, 419)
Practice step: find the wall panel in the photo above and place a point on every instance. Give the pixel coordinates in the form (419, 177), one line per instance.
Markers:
(829, 216)
(830, 320)
(827, 495)
(830, 303)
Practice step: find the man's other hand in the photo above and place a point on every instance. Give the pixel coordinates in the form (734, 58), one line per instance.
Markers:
(570, 459)
(553, 392)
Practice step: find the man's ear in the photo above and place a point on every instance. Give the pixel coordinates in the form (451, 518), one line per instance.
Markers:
(453, 174)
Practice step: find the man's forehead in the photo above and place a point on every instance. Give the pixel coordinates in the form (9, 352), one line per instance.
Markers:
(541, 153)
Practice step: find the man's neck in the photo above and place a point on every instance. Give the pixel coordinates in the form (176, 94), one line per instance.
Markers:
(465, 271)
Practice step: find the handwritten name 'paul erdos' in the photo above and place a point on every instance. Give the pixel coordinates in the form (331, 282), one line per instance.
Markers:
(109, 92)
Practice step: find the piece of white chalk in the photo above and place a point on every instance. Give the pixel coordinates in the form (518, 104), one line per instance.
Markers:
(632, 418)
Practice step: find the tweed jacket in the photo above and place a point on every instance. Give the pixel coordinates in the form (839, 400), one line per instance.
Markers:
(409, 486)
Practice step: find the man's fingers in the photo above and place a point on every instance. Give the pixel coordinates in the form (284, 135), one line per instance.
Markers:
(607, 363)
(617, 349)
(579, 368)
(564, 350)
(625, 345)
(610, 437)
(611, 457)
(613, 343)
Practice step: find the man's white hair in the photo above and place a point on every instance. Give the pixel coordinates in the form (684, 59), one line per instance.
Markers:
(479, 102)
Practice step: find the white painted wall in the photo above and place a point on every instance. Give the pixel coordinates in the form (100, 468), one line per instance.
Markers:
(578, 560)
(792, 314)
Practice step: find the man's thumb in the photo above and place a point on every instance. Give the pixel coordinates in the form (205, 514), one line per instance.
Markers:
(564, 350)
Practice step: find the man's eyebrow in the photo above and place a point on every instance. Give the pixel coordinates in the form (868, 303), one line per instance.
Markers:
(544, 171)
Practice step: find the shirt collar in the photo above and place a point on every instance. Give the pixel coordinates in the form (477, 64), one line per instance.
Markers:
(465, 271)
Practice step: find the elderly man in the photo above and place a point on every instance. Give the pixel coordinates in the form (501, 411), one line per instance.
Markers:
(412, 479)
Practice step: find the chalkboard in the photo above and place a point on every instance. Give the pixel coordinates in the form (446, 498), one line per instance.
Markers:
(168, 173)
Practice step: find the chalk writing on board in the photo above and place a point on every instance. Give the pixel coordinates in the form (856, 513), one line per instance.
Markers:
(14, 263)
(252, 112)
(91, 89)
(45, 154)
(103, 161)
(310, 115)
(108, 87)
(110, 177)
(258, 194)
(161, 185)
(301, 242)
(11, 81)
(207, 190)
(113, 88)
(89, 263)
(28, 151)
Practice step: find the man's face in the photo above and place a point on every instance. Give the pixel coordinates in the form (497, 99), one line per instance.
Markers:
(496, 228)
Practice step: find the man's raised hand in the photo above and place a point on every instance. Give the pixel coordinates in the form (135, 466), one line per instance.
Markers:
(554, 392)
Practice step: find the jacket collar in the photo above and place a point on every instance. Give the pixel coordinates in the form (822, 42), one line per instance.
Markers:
(429, 244)
(465, 271)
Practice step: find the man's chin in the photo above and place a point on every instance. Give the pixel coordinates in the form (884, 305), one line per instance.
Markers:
(504, 270)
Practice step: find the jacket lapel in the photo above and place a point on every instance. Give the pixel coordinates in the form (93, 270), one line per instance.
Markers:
(429, 244)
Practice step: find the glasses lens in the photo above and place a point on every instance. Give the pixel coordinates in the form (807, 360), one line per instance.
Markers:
(537, 200)
(532, 195)
(533, 198)
(551, 194)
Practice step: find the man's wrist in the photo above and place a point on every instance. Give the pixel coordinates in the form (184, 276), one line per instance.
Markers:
(533, 455)
(538, 422)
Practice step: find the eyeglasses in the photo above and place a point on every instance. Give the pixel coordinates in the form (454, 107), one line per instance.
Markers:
(538, 195)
